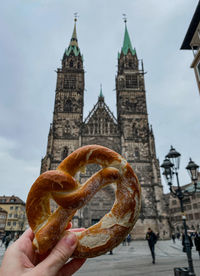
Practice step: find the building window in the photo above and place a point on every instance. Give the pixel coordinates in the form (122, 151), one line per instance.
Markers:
(16, 207)
(190, 216)
(65, 152)
(94, 221)
(68, 105)
(70, 82)
(195, 206)
(71, 64)
(14, 223)
(186, 200)
(137, 153)
(196, 215)
(8, 223)
(11, 207)
(131, 81)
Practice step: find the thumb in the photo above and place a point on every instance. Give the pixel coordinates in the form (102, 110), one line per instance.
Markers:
(59, 255)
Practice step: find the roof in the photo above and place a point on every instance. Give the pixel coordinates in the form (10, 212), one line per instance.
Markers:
(127, 43)
(73, 45)
(98, 109)
(11, 200)
(191, 30)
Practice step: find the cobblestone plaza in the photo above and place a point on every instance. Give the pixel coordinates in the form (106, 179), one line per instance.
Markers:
(136, 260)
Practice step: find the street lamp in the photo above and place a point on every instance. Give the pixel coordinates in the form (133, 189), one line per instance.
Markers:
(170, 168)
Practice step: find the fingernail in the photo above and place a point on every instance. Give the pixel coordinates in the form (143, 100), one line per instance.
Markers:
(70, 239)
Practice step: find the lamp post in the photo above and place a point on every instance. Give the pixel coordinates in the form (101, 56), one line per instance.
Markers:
(170, 168)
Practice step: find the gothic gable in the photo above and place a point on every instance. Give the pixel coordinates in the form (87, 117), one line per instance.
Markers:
(100, 121)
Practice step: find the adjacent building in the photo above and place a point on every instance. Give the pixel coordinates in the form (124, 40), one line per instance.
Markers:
(3, 219)
(192, 42)
(191, 210)
(128, 134)
(16, 213)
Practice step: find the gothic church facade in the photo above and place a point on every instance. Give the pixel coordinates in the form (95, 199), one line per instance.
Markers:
(129, 134)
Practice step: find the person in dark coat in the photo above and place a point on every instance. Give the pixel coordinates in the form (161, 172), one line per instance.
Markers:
(152, 239)
(197, 242)
(128, 239)
(183, 242)
(173, 238)
(178, 235)
(7, 241)
(3, 240)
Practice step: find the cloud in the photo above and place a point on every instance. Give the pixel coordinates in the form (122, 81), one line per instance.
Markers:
(33, 37)
(17, 175)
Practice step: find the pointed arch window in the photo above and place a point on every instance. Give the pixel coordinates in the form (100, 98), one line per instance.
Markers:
(64, 153)
(71, 64)
(137, 153)
(68, 106)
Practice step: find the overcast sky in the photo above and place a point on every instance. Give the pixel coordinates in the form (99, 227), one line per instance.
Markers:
(33, 36)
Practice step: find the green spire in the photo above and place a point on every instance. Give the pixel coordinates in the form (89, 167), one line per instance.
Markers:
(127, 43)
(74, 40)
(73, 46)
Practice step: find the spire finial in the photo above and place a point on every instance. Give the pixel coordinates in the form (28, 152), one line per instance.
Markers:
(124, 18)
(75, 16)
(101, 93)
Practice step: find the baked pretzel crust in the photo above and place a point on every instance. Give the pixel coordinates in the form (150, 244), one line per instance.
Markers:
(61, 186)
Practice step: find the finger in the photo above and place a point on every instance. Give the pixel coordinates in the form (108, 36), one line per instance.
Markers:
(77, 230)
(27, 234)
(59, 255)
(71, 267)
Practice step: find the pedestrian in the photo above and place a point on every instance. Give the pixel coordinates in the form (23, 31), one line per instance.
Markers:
(183, 242)
(124, 242)
(197, 242)
(21, 259)
(178, 235)
(7, 241)
(128, 239)
(152, 239)
(3, 240)
(111, 253)
(173, 238)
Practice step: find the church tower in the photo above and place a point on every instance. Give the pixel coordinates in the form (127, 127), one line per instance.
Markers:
(64, 133)
(129, 134)
(137, 139)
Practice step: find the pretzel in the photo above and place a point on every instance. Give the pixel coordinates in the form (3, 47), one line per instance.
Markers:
(61, 185)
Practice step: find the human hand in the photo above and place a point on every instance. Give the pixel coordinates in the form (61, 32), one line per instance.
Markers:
(21, 260)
